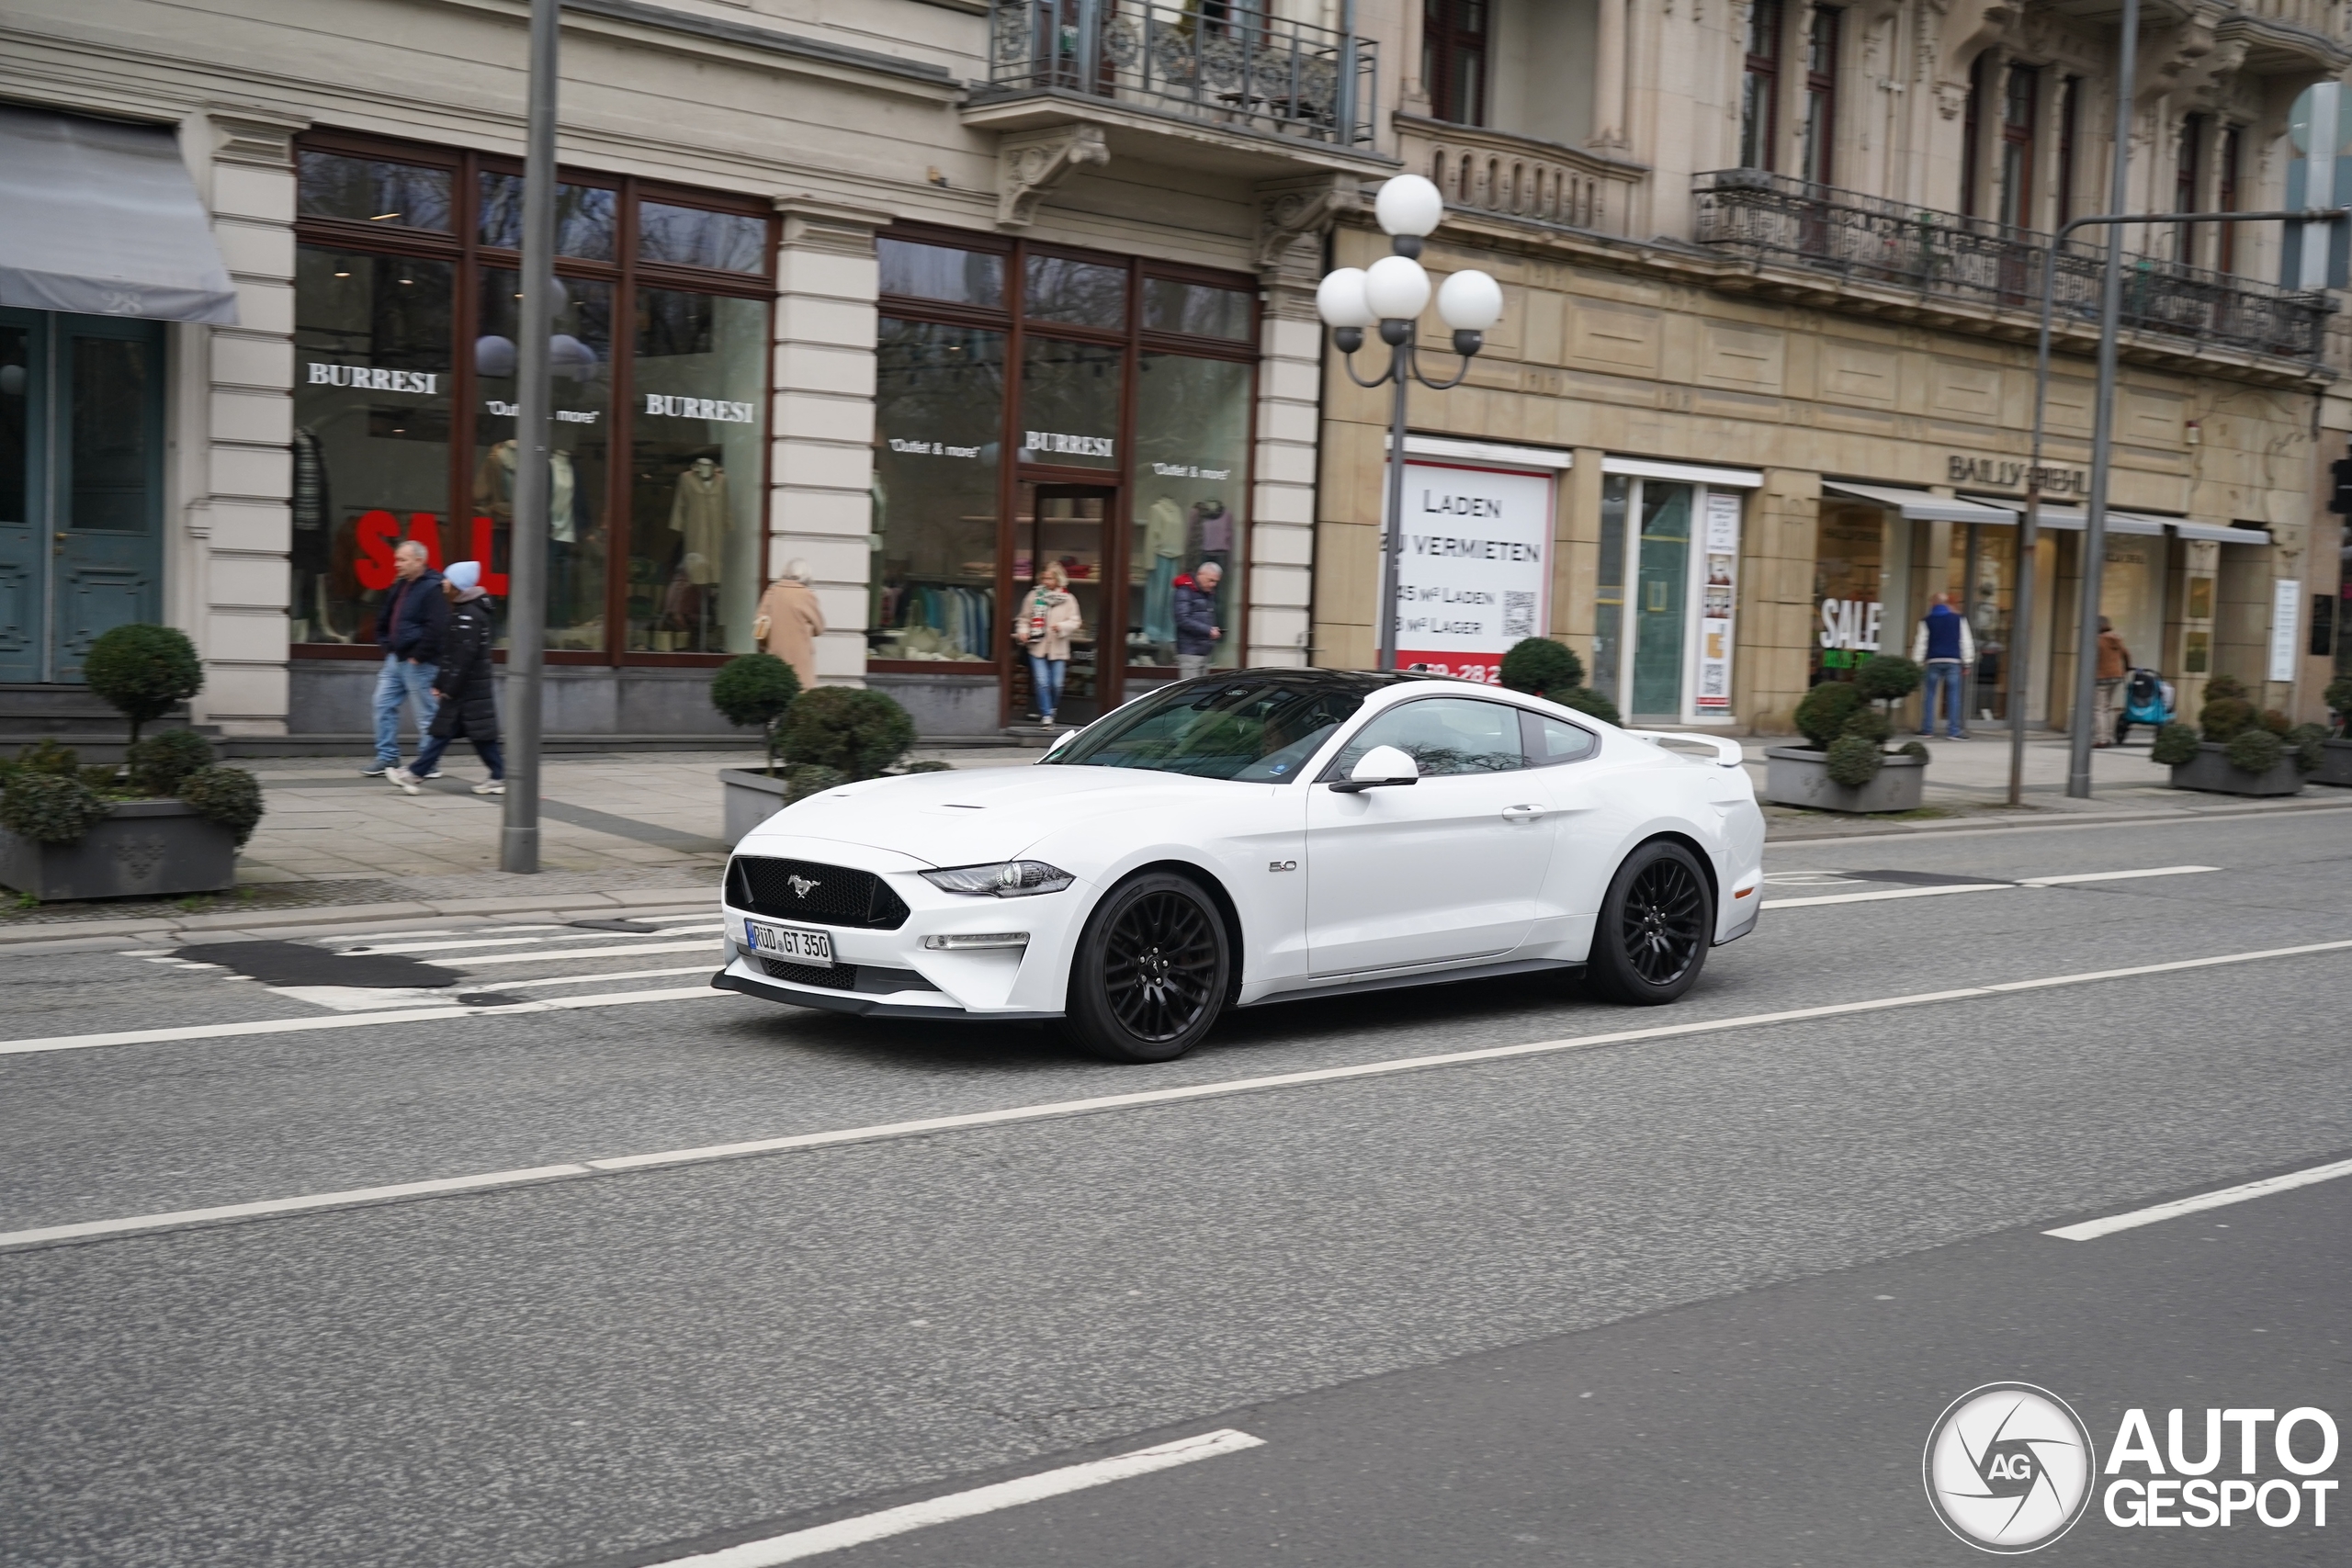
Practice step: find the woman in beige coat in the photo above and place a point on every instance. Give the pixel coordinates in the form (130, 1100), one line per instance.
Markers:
(790, 623)
(1047, 620)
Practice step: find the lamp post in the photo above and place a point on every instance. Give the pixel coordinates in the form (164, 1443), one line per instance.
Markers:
(1392, 294)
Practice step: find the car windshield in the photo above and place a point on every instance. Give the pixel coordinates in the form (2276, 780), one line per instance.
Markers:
(1251, 732)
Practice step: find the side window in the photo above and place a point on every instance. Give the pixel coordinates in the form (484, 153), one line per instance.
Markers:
(1551, 741)
(1444, 735)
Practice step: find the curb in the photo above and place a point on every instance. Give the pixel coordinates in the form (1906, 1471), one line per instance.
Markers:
(1857, 832)
(13, 935)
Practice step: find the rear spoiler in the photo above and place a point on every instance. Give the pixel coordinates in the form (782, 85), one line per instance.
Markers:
(1727, 751)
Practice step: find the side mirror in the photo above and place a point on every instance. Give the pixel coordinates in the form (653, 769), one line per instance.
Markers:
(1376, 769)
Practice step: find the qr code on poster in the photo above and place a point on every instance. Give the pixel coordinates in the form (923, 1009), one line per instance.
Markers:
(1518, 614)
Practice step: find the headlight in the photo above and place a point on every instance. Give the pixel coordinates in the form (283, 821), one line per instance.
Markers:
(1010, 879)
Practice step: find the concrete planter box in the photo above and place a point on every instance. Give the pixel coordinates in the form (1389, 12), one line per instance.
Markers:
(2336, 769)
(147, 849)
(1798, 775)
(2212, 771)
(751, 797)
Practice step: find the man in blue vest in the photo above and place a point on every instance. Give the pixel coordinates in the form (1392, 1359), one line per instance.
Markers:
(1944, 646)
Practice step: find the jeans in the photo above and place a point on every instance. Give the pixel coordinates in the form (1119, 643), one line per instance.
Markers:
(1046, 676)
(1945, 675)
(1192, 666)
(428, 756)
(399, 681)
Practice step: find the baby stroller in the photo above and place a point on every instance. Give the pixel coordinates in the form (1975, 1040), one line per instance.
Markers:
(2148, 699)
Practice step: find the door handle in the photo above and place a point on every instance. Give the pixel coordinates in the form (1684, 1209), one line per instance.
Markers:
(1523, 813)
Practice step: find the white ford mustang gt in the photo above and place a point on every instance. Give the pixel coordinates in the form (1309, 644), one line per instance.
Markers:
(1253, 838)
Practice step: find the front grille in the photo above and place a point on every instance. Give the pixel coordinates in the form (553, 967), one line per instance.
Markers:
(804, 890)
(872, 978)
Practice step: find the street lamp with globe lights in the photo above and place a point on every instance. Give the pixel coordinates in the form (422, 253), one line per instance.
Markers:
(1392, 293)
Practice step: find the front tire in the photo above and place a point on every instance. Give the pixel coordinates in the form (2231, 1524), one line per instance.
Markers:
(1151, 971)
(1654, 928)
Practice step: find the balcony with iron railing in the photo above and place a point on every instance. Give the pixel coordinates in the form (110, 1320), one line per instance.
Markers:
(1883, 250)
(1213, 63)
(1484, 171)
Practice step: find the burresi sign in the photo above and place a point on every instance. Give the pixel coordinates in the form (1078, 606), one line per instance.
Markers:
(1475, 575)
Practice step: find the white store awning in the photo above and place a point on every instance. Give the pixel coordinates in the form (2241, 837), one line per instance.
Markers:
(1924, 506)
(2218, 535)
(2075, 520)
(102, 220)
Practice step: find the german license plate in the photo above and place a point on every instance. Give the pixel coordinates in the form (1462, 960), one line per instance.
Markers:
(797, 943)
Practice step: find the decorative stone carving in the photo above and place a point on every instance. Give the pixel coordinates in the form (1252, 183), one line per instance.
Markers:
(1030, 164)
(1291, 210)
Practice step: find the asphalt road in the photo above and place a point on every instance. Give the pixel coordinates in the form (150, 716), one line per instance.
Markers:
(1394, 1280)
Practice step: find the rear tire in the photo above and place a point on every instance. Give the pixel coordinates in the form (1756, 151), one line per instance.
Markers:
(1654, 929)
(1151, 971)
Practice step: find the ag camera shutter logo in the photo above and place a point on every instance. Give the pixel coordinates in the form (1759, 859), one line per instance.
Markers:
(2008, 1467)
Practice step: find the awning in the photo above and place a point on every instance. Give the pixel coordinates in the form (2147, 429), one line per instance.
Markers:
(2220, 535)
(2075, 520)
(103, 221)
(1483, 452)
(1688, 473)
(1924, 506)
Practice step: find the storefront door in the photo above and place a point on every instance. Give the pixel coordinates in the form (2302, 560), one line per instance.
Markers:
(1065, 527)
(81, 486)
(1661, 599)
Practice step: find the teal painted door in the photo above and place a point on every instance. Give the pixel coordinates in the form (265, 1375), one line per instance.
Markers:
(1661, 589)
(81, 487)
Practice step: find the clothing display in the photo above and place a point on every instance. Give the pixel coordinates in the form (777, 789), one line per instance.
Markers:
(960, 622)
(494, 491)
(309, 479)
(1214, 528)
(698, 511)
(1157, 566)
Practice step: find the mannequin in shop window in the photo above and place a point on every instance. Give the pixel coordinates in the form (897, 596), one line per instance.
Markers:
(790, 621)
(1047, 621)
(1159, 561)
(698, 515)
(494, 499)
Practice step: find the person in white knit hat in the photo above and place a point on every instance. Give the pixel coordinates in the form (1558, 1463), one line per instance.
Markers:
(463, 687)
(790, 623)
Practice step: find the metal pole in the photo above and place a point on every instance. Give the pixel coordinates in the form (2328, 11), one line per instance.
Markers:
(526, 605)
(1392, 533)
(2111, 318)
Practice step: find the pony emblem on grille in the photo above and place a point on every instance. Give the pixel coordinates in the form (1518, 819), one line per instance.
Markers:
(802, 886)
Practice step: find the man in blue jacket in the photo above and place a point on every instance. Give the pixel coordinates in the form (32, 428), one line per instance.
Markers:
(1197, 633)
(408, 626)
(1946, 651)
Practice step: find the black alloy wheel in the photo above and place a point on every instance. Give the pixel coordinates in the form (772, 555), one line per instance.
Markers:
(1654, 928)
(1151, 972)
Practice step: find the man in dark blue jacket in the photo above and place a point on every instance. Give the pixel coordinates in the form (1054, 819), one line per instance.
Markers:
(1196, 629)
(409, 625)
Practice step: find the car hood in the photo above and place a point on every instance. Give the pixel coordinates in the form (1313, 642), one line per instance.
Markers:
(974, 815)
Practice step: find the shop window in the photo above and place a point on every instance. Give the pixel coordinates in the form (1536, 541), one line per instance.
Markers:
(1609, 591)
(1077, 293)
(1661, 594)
(1069, 404)
(586, 217)
(373, 395)
(1191, 457)
(1981, 577)
(1846, 582)
(1197, 309)
(694, 236)
(938, 416)
(944, 273)
(581, 356)
(656, 543)
(696, 467)
(374, 190)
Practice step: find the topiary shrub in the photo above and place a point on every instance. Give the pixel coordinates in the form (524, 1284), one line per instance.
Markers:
(1872, 725)
(49, 757)
(1541, 668)
(51, 808)
(858, 733)
(1887, 678)
(1852, 760)
(1914, 748)
(1584, 699)
(807, 779)
(929, 766)
(2222, 717)
(2176, 745)
(2277, 723)
(1822, 715)
(756, 689)
(102, 777)
(141, 670)
(230, 796)
(2225, 686)
(2338, 697)
(161, 762)
(2308, 743)
(2256, 751)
